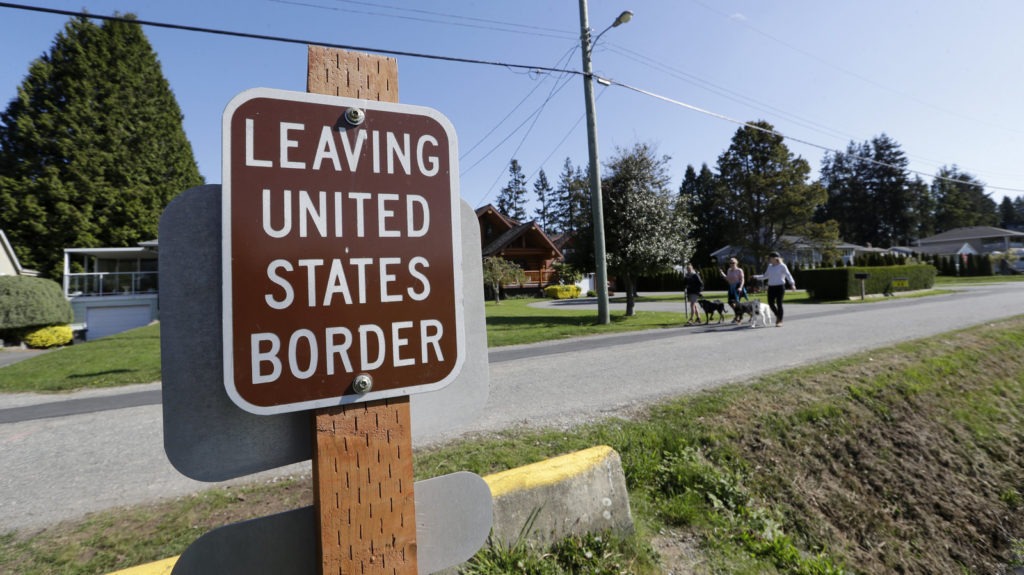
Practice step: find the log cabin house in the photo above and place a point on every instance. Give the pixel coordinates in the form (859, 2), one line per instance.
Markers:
(523, 243)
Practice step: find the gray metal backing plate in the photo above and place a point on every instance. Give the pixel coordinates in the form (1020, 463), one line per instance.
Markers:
(206, 436)
(453, 519)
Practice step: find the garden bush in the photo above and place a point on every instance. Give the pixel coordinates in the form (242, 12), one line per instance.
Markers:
(48, 337)
(562, 291)
(28, 302)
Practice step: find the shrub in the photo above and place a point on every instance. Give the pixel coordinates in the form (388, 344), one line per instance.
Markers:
(562, 291)
(27, 302)
(841, 283)
(47, 337)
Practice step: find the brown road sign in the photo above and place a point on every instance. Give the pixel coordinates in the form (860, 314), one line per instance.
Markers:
(342, 251)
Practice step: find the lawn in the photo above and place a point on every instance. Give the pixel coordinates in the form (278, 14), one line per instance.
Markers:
(515, 322)
(128, 357)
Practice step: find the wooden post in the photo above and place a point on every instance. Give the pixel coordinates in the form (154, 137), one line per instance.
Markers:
(362, 453)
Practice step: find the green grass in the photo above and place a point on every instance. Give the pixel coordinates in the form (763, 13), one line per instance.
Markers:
(955, 281)
(514, 322)
(125, 358)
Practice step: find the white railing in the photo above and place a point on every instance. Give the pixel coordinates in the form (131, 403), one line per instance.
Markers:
(111, 283)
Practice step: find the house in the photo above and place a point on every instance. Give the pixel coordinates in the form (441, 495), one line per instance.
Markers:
(974, 240)
(797, 250)
(9, 264)
(523, 243)
(112, 289)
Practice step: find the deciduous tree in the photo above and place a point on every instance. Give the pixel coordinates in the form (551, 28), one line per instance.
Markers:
(498, 271)
(644, 232)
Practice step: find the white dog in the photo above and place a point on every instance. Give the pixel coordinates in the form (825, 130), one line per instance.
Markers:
(762, 315)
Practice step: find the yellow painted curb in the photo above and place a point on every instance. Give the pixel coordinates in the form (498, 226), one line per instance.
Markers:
(540, 474)
(547, 472)
(162, 567)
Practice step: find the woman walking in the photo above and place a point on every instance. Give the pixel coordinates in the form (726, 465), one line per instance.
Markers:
(734, 277)
(694, 287)
(778, 279)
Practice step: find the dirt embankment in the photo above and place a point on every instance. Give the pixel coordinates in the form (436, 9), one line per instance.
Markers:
(911, 461)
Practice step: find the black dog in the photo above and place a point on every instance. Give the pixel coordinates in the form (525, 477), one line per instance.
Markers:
(742, 308)
(710, 307)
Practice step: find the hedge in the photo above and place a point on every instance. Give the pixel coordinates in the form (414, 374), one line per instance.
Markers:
(842, 283)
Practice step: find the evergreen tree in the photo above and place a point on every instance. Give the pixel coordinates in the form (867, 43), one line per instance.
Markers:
(889, 183)
(1018, 208)
(923, 209)
(92, 147)
(573, 199)
(961, 201)
(710, 214)
(871, 174)
(512, 199)
(766, 189)
(1007, 214)
(545, 211)
(644, 233)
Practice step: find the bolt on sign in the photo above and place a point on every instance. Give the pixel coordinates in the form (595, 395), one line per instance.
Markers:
(342, 251)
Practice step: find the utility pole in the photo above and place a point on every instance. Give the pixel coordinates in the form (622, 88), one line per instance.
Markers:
(597, 209)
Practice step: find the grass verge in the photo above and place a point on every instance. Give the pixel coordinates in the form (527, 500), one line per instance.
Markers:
(902, 460)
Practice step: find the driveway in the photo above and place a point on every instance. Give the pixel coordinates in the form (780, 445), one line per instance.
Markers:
(9, 355)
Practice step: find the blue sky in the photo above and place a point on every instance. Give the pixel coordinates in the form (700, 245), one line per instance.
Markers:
(943, 78)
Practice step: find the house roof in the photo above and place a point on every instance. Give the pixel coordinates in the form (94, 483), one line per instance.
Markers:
(510, 235)
(8, 251)
(798, 242)
(970, 233)
(129, 253)
(946, 248)
(489, 208)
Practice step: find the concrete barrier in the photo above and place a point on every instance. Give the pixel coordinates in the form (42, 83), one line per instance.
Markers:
(582, 492)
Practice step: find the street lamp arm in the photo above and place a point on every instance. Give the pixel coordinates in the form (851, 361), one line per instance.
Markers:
(626, 16)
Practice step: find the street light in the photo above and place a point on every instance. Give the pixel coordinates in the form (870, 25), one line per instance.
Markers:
(597, 210)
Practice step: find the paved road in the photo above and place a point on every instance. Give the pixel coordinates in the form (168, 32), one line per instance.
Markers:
(64, 456)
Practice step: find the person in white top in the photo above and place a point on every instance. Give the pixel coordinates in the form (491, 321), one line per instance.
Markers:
(779, 279)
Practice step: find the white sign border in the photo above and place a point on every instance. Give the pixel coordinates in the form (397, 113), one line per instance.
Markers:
(228, 304)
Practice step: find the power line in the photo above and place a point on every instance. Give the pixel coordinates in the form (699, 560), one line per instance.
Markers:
(465, 154)
(792, 139)
(287, 40)
(281, 39)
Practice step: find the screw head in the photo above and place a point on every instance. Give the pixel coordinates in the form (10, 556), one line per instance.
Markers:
(355, 116)
(363, 383)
